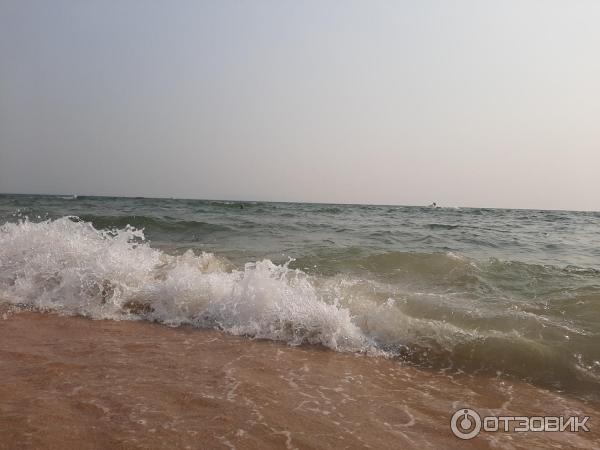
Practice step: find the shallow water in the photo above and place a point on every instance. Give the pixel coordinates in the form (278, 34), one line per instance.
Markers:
(72, 383)
(514, 293)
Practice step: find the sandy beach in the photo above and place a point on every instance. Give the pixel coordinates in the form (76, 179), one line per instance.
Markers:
(299, 225)
(74, 383)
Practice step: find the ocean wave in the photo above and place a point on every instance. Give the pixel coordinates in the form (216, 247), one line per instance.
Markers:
(154, 223)
(440, 320)
(329, 210)
(70, 267)
(433, 269)
(442, 226)
(230, 204)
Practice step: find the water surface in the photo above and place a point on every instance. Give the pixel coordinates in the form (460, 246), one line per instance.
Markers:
(513, 293)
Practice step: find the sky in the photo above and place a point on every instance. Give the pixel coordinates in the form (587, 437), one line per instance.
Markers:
(465, 103)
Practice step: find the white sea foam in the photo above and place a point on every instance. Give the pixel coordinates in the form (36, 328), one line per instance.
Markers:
(67, 266)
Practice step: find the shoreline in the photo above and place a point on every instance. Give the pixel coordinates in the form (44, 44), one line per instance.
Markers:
(72, 382)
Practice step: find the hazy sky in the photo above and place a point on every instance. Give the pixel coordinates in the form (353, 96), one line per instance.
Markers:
(473, 103)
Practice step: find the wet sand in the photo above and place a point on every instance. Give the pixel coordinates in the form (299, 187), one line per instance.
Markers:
(73, 383)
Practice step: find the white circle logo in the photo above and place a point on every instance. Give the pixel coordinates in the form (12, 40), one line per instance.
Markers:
(465, 423)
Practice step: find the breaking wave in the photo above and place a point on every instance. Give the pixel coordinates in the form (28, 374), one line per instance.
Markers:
(444, 319)
(70, 267)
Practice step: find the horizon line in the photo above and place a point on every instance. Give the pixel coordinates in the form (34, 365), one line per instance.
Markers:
(298, 202)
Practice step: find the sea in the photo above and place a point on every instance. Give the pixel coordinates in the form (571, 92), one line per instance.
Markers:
(506, 293)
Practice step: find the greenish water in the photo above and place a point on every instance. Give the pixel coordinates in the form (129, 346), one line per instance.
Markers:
(509, 292)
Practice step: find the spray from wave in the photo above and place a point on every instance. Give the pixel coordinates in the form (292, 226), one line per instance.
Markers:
(68, 266)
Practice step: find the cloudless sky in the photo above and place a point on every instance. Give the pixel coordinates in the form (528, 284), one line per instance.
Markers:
(467, 103)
